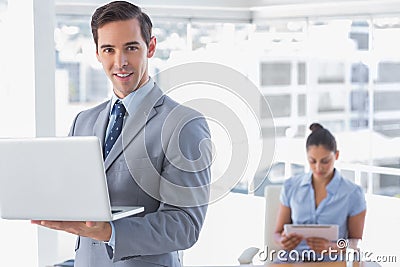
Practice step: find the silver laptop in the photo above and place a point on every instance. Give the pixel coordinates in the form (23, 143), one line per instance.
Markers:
(56, 178)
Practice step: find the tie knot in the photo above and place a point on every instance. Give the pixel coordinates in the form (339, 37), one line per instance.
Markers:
(119, 109)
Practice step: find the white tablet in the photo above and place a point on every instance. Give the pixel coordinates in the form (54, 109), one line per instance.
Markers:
(327, 231)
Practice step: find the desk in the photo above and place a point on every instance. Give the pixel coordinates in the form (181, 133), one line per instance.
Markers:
(305, 264)
(322, 264)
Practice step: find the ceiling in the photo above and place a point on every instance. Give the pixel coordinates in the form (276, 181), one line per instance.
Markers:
(220, 3)
(246, 10)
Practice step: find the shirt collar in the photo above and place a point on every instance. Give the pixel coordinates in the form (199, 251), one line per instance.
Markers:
(132, 100)
(306, 179)
(333, 185)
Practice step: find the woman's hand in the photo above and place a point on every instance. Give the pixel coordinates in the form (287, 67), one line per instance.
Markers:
(318, 244)
(290, 241)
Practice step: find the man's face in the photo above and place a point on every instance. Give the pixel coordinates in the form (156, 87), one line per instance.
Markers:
(123, 53)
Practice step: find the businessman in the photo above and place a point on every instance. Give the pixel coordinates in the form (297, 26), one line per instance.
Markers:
(161, 160)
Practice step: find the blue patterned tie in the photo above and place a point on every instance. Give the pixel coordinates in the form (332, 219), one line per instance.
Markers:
(116, 129)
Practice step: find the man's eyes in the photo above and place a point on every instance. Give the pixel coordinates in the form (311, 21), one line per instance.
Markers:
(128, 48)
(132, 48)
(322, 161)
(108, 50)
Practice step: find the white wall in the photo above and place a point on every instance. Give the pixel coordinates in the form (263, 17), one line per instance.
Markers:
(381, 232)
(232, 224)
(17, 72)
(18, 244)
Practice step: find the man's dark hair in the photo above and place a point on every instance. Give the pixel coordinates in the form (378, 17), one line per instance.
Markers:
(321, 136)
(118, 11)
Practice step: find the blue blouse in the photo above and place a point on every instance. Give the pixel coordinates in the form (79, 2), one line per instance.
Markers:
(344, 199)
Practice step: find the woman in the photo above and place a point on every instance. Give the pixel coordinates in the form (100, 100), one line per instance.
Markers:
(322, 196)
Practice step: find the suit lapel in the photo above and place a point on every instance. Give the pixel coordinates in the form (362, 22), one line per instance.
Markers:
(135, 123)
(101, 123)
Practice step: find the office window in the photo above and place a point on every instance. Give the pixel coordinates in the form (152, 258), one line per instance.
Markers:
(204, 34)
(277, 131)
(359, 123)
(217, 35)
(302, 103)
(359, 33)
(275, 73)
(331, 72)
(280, 105)
(332, 101)
(337, 79)
(359, 101)
(389, 184)
(388, 127)
(386, 101)
(276, 37)
(276, 175)
(80, 82)
(388, 72)
(301, 73)
(386, 41)
(331, 38)
(75, 54)
(332, 86)
(171, 36)
(359, 73)
(351, 175)
(301, 131)
(334, 126)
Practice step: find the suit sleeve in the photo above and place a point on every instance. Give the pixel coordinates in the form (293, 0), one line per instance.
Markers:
(177, 223)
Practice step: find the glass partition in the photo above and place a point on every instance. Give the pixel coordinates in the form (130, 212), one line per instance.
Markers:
(340, 72)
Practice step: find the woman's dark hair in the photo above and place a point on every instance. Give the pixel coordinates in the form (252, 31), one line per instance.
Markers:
(119, 11)
(321, 136)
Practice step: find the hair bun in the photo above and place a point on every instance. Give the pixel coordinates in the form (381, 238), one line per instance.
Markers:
(315, 127)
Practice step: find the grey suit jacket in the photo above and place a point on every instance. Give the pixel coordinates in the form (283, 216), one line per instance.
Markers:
(161, 161)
